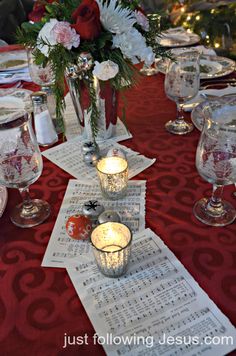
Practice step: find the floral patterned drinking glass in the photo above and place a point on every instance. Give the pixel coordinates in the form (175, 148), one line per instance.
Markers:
(39, 74)
(216, 161)
(20, 166)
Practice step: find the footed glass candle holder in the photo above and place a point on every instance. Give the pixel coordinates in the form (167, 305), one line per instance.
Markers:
(113, 175)
(111, 243)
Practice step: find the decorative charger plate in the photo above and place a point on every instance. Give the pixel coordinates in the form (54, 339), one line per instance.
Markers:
(13, 60)
(12, 101)
(210, 66)
(197, 115)
(189, 39)
(3, 199)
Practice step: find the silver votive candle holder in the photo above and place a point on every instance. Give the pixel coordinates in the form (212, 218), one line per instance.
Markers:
(111, 243)
(113, 176)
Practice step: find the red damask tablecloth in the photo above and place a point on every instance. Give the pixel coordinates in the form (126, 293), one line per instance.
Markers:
(38, 305)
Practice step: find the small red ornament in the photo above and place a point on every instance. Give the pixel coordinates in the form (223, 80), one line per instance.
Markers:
(79, 227)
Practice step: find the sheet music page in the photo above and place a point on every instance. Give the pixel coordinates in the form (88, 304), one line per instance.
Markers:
(157, 308)
(68, 156)
(73, 129)
(131, 210)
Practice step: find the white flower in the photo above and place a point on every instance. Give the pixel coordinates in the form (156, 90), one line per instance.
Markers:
(114, 18)
(133, 46)
(55, 32)
(105, 70)
(147, 56)
(66, 35)
(46, 34)
(142, 20)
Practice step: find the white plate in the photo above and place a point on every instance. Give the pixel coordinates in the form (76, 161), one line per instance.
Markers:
(210, 66)
(197, 113)
(13, 100)
(13, 60)
(3, 199)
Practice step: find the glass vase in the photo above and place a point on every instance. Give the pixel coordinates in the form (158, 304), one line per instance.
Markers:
(106, 102)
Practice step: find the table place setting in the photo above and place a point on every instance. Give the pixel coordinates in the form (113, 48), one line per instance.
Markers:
(14, 100)
(130, 209)
(229, 101)
(14, 67)
(209, 94)
(211, 66)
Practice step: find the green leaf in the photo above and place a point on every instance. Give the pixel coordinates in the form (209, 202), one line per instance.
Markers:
(103, 39)
(28, 26)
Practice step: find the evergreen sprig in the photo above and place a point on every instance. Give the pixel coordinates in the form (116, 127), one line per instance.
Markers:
(93, 108)
(27, 34)
(61, 10)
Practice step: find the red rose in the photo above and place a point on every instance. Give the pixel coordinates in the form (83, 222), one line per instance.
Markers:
(37, 13)
(39, 10)
(87, 20)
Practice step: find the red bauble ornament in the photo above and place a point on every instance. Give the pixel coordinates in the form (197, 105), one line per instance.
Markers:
(79, 227)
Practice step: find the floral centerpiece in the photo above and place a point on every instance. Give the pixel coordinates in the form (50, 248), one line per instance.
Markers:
(96, 43)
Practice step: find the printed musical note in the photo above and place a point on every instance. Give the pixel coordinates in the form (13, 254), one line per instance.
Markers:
(66, 157)
(156, 298)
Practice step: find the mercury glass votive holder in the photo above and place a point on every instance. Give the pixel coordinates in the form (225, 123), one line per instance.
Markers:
(113, 175)
(111, 243)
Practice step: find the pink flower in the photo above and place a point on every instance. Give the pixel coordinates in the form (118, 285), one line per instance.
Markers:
(142, 20)
(66, 35)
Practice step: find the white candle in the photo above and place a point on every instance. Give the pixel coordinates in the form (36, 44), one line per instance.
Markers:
(113, 174)
(112, 246)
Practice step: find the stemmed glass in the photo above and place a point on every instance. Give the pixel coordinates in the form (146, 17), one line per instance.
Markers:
(181, 84)
(40, 75)
(216, 161)
(21, 165)
(43, 76)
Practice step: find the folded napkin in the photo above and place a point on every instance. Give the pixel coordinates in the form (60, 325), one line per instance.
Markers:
(200, 49)
(180, 37)
(172, 35)
(8, 77)
(189, 105)
(175, 30)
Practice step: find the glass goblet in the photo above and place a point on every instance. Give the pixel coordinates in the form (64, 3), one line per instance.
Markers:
(181, 84)
(21, 165)
(41, 75)
(216, 162)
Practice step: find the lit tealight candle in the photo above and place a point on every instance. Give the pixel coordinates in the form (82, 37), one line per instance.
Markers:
(112, 248)
(113, 174)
